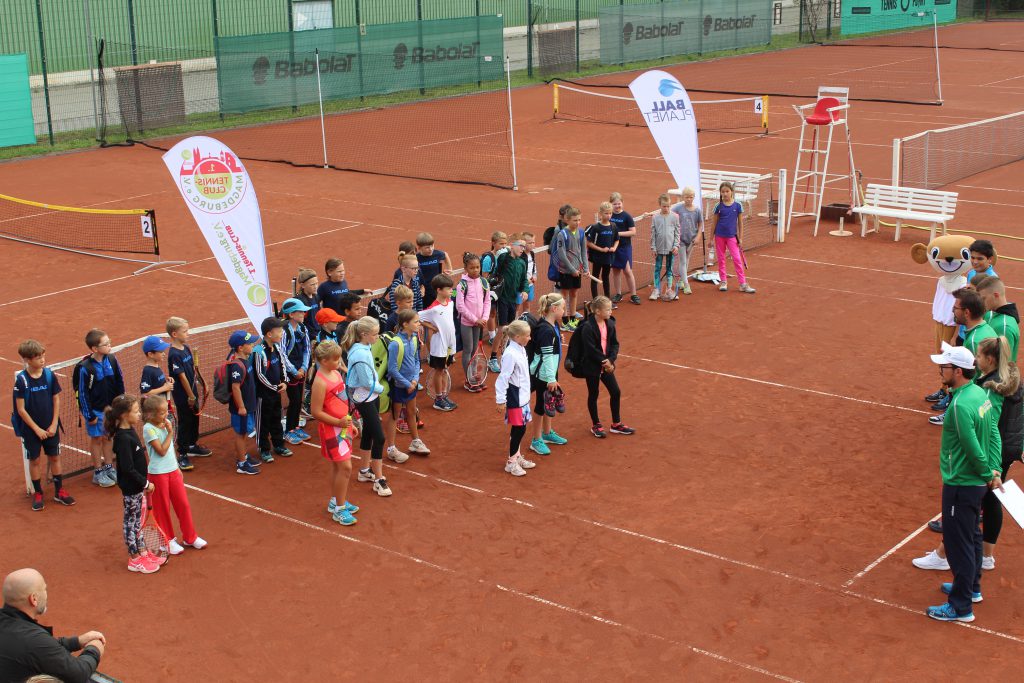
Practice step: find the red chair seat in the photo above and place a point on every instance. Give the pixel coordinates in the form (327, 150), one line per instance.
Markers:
(821, 116)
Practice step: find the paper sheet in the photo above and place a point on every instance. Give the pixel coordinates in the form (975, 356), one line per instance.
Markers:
(1012, 499)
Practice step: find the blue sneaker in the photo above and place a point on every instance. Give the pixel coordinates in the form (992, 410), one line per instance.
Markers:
(245, 467)
(942, 403)
(266, 456)
(947, 613)
(947, 588)
(343, 517)
(293, 437)
(552, 437)
(493, 365)
(332, 507)
(302, 434)
(283, 451)
(441, 404)
(539, 447)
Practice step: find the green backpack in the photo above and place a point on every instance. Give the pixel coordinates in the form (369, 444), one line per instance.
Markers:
(380, 363)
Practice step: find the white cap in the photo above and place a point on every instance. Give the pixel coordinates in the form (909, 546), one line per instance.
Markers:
(954, 355)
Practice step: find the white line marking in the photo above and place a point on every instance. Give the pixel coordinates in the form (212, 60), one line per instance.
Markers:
(505, 589)
(804, 285)
(72, 289)
(216, 279)
(1002, 80)
(469, 137)
(888, 553)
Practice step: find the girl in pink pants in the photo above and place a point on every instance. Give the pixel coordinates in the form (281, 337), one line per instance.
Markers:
(728, 223)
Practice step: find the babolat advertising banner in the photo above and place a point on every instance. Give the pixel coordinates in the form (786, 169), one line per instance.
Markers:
(280, 69)
(631, 33)
(872, 16)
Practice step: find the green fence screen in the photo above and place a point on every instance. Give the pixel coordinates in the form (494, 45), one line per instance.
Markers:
(15, 102)
(279, 69)
(869, 16)
(668, 29)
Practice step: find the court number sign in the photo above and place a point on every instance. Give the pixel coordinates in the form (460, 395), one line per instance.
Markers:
(147, 226)
(758, 105)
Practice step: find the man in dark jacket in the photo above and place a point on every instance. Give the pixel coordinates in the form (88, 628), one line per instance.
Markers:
(28, 648)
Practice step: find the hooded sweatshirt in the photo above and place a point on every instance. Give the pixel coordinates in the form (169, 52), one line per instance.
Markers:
(1008, 393)
(472, 299)
(1005, 321)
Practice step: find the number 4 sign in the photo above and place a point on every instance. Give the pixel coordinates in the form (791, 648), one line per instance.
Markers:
(758, 105)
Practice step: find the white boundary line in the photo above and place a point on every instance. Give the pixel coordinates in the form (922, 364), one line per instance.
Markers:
(888, 553)
(505, 589)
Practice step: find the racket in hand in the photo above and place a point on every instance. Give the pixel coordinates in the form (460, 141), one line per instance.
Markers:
(200, 388)
(476, 375)
(152, 539)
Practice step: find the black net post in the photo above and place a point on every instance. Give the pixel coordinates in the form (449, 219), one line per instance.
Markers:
(46, 81)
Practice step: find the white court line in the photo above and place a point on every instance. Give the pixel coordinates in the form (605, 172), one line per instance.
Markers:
(505, 589)
(72, 289)
(216, 279)
(445, 142)
(888, 553)
(1002, 80)
(19, 363)
(804, 285)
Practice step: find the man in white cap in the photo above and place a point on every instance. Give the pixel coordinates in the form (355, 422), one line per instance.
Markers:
(970, 434)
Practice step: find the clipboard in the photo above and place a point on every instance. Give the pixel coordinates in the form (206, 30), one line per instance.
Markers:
(1012, 499)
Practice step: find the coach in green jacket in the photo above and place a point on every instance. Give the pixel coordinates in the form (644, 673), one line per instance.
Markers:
(970, 436)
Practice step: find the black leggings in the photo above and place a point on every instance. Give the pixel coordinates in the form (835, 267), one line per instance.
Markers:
(294, 406)
(594, 386)
(603, 271)
(515, 438)
(372, 438)
(992, 509)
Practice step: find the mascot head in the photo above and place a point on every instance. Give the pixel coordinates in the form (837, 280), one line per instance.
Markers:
(949, 255)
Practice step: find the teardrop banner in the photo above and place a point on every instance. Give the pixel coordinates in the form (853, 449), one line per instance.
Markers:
(219, 193)
(669, 114)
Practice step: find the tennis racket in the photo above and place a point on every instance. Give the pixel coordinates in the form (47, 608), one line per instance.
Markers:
(199, 388)
(445, 385)
(152, 539)
(476, 375)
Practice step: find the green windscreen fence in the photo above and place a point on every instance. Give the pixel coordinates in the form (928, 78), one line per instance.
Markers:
(872, 16)
(280, 69)
(631, 33)
(16, 126)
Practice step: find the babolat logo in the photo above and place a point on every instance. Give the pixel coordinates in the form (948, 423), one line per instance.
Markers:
(668, 109)
(727, 24)
(648, 31)
(440, 53)
(337, 64)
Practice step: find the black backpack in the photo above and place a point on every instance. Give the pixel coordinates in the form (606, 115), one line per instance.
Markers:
(574, 353)
(534, 322)
(221, 385)
(497, 276)
(380, 308)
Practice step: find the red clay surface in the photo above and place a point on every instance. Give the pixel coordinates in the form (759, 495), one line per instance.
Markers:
(782, 446)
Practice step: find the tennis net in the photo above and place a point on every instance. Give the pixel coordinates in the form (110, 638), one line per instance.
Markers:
(75, 228)
(936, 158)
(926, 30)
(738, 115)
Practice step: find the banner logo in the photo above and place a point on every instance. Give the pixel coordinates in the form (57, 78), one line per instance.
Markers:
(707, 24)
(732, 23)
(400, 53)
(646, 32)
(211, 184)
(259, 70)
(627, 33)
(667, 87)
(439, 53)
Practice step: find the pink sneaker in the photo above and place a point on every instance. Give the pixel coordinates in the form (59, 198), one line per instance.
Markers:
(153, 559)
(142, 564)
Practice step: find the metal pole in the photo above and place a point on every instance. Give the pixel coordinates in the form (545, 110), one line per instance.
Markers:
(800, 20)
(938, 72)
(92, 81)
(419, 34)
(529, 38)
(291, 54)
(216, 57)
(46, 81)
(320, 98)
(478, 42)
(896, 149)
(131, 34)
(511, 125)
(359, 49)
(577, 36)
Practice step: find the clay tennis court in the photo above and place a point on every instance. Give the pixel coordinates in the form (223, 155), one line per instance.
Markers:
(760, 524)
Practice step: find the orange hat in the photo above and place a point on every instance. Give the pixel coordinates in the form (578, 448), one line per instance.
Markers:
(328, 315)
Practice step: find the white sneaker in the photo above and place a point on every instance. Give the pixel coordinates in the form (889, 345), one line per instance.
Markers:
(931, 561)
(653, 296)
(174, 548)
(526, 464)
(988, 562)
(418, 447)
(514, 468)
(198, 544)
(723, 287)
(381, 488)
(397, 455)
(366, 475)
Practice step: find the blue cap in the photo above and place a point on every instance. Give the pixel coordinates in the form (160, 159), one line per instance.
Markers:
(293, 306)
(153, 343)
(239, 337)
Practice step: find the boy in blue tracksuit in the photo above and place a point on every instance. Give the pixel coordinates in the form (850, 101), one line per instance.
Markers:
(272, 368)
(98, 383)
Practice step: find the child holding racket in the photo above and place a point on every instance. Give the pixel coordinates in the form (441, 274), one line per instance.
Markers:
(363, 391)
(728, 225)
(120, 420)
(297, 349)
(404, 375)
(691, 222)
(439, 318)
(473, 301)
(488, 262)
(165, 477)
(334, 424)
(512, 394)
(189, 392)
(155, 383)
(600, 350)
(547, 354)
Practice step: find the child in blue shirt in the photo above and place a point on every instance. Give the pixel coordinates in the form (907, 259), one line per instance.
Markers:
(99, 382)
(728, 224)
(983, 259)
(242, 404)
(432, 262)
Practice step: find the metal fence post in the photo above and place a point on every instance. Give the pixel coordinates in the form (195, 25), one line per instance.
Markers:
(419, 33)
(800, 22)
(529, 38)
(291, 54)
(477, 8)
(359, 49)
(46, 82)
(577, 36)
(131, 32)
(216, 57)
(92, 81)
(828, 22)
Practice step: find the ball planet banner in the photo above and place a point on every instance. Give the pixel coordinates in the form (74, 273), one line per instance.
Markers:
(219, 193)
(669, 114)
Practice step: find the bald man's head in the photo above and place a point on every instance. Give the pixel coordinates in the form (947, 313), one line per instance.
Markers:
(26, 590)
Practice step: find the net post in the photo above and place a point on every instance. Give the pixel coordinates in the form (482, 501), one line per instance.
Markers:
(783, 222)
(938, 72)
(511, 125)
(320, 99)
(554, 100)
(764, 113)
(896, 149)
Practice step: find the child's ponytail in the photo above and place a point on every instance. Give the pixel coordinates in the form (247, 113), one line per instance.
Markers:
(112, 414)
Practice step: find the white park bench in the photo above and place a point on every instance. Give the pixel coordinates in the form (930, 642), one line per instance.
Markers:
(933, 207)
(745, 185)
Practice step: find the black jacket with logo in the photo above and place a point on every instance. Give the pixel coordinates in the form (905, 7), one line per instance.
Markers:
(28, 648)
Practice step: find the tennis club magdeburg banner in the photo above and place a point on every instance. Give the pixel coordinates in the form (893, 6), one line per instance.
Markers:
(669, 114)
(219, 192)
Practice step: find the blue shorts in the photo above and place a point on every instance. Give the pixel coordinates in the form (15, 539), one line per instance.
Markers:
(50, 446)
(623, 256)
(95, 430)
(243, 424)
(529, 293)
(401, 396)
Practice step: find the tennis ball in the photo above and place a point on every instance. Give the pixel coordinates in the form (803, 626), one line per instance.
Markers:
(257, 294)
